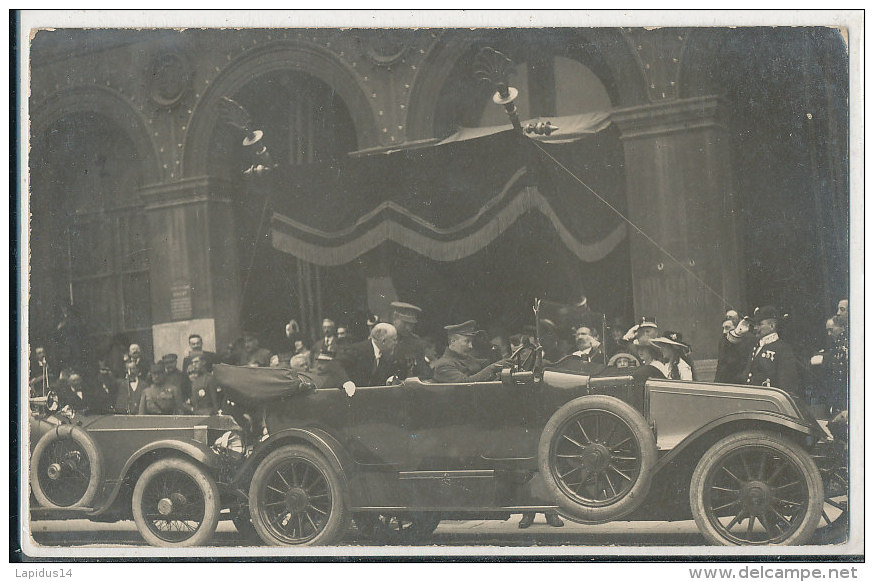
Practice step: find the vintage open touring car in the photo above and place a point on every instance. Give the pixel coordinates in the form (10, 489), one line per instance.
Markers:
(740, 460)
(167, 473)
(749, 464)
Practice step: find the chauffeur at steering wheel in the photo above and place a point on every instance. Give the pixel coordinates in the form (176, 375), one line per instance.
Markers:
(458, 364)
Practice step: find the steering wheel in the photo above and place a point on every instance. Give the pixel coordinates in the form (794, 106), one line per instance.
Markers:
(525, 358)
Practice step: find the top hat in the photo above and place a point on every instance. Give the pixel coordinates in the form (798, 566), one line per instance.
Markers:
(406, 311)
(468, 328)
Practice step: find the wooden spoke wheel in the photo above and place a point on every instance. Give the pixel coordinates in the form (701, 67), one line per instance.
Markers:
(297, 498)
(176, 504)
(755, 488)
(596, 455)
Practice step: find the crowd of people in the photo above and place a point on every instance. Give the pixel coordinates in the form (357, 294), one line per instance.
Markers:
(751, 351)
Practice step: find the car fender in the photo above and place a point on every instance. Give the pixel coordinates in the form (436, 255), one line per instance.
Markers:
(190, 448)
(318, 438)
(762, 419)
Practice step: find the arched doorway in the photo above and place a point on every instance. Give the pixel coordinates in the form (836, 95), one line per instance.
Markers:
(557, 74)
(304, 122)
(89, 240)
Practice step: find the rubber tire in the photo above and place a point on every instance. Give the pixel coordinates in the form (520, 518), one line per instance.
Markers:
(208, 488)
(757, 438)
(338, 521)
(648, 454)
(423, 525)
(84, 440)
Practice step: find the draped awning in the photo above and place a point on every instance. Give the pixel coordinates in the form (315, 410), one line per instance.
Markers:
(451, 200)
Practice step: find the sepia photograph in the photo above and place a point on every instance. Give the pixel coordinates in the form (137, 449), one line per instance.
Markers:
(564, 284)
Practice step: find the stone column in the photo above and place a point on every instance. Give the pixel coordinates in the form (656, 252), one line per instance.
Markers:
(680, 193)
(195, 273)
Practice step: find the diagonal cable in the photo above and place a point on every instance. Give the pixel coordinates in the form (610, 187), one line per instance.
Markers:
(634, 226)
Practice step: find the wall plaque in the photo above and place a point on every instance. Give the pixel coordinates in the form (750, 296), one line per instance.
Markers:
(180, 301)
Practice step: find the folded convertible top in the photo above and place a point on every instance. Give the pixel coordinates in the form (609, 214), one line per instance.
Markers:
(260, 384)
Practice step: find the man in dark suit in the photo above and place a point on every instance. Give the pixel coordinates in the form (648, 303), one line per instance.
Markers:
(195, 348)
(328, 342)
(410, 351)
(102, 399)
(73, 393)
(130, 388)
(372, 362)
(588, 345)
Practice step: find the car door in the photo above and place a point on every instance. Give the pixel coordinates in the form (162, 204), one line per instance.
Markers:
(377, 435)
(469, 425)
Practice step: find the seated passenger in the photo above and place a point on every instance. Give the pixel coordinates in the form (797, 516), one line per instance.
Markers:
(325, 372)
(372, 362)
(161, 397)
(652, 364)
(673, 352)
(458, 364)
(205, 391)
(685, 363)
(589, 347)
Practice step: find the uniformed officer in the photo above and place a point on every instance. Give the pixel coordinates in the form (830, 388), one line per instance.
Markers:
(772, 362)
(410, 350)
(458, 364)
(642, 332)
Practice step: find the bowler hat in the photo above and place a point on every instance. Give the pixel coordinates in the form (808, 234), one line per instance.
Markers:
(467, 328)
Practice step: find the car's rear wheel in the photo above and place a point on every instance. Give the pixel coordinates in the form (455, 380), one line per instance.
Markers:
(397, 528)
(596, 456)
(66, 468)
(298, 498)
(755, 488)
(176, 504)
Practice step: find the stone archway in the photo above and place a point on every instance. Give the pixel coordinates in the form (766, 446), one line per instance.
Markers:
(90, 155)
(109, 104)
(291, 56)
(604, 51)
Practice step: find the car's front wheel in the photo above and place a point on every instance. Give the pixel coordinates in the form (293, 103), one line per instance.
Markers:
(176, 504)
(66, 468)
(755, 488)
(298, 498)
(596, 455)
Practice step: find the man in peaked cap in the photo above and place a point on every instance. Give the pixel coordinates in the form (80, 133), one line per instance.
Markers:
(772, 362)
(410, 351)
(645, 330)
(175, 376)
(458, 364)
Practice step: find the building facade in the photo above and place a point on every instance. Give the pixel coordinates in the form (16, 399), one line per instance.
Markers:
(733, 144)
